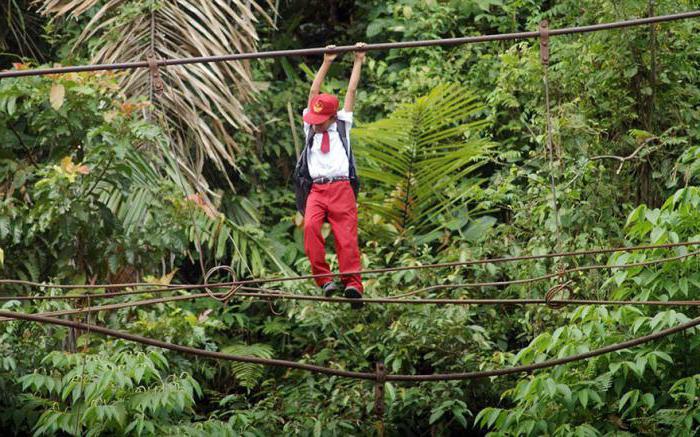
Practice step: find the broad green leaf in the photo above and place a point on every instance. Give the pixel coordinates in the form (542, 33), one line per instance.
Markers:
(583, 397)
(652, 215)
(436, 415)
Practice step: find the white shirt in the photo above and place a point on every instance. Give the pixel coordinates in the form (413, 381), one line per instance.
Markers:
(334, 163)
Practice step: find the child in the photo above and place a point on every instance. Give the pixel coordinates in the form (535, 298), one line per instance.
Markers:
(327, 184)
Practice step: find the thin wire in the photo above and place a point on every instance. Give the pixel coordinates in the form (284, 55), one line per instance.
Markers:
(233, 286)
(268, 295)
(358, 375)
(344, 49)
(550, 149)
(117, 306)
(561, 274)
(303, 277)
(226, 296)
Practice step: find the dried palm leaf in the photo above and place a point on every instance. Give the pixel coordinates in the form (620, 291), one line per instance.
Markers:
(202, 102)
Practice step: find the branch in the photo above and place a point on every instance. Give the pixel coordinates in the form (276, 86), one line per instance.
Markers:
(623, 159)
(21, 142)
(99, 178)
(292, 126)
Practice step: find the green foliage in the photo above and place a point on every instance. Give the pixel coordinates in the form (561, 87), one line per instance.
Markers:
(630, 390)
(122, 393)
(248, 374)
(20, 35)
(90, 191)
(67, 143)
(424, 155)
(123, 200)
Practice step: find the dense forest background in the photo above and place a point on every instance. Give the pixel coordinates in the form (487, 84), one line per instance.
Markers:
(102, 180)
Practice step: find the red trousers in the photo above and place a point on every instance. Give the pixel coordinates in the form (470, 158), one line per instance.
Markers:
(334, 202)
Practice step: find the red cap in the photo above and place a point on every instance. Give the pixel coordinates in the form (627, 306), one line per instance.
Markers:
(321, 108)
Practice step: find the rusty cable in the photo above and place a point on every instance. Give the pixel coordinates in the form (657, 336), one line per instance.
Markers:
(344, 49)
(561, 273)
(350, 374)
(117, 306)
(226, 296)
(555, 290)
(167, 288)
(549, 363)
(271, 305)
(269, 295)
(234, 286)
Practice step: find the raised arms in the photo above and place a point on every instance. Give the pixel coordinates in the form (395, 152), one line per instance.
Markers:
(321, 74)
(328, 59)
(354, 78)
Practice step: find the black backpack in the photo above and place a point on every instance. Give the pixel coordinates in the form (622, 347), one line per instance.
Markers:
(302, 178)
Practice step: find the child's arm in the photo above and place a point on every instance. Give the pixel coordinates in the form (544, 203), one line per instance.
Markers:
(354, 78)
(321, 74)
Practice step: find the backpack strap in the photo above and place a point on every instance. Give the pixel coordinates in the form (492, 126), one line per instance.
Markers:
(301, 168)
(302, 180)
(309, 140)
(343, 133)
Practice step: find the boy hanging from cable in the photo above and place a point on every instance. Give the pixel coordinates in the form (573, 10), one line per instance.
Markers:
(326, 181)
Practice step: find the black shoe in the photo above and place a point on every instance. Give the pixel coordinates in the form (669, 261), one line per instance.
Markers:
(329, 288)
(354, 293)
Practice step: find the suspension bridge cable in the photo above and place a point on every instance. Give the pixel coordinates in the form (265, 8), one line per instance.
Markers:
(349, 374)
(561, 274)
(167, 288)
(269, 295)
(233, 287)
(343, 49)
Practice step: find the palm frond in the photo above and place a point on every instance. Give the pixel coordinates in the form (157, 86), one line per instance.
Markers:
(247, 374)
(421, 155)
(20, 32)
(245, 245)
(201, 102)
(134, 203)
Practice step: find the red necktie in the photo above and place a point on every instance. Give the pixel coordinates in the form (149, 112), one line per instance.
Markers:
(325, 142)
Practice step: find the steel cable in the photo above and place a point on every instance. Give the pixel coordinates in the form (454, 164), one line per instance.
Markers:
(561, 274)
(343, 49)
(168, 288)
(269, 295)
(349, 374)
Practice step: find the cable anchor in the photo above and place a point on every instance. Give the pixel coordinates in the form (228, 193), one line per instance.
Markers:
(379, 406)
(544, 42)
(156, 81)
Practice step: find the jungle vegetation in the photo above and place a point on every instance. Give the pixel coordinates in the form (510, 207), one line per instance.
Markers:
(102, 181)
